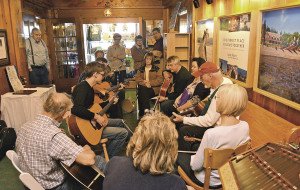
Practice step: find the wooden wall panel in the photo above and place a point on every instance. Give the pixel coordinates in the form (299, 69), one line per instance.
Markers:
(230, 7)
(148, 14)
(100, 3)
(4, 87)
(10, 20)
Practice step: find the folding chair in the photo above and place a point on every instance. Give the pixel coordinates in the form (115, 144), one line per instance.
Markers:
(28, 180)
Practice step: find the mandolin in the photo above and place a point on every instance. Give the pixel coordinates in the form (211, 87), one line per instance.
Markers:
(90, 177)
(195, 109)
(88, 131)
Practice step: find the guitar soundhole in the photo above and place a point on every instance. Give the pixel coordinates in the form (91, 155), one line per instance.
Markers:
(77, 137)
(95, 125)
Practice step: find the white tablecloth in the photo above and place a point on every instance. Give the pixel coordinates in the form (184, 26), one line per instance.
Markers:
(18, 109)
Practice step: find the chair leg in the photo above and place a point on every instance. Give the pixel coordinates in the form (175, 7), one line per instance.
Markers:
(103, 143)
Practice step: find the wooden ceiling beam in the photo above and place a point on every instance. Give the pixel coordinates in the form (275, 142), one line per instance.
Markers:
(45, 4)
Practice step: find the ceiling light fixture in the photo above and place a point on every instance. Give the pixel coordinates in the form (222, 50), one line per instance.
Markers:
(107, 9)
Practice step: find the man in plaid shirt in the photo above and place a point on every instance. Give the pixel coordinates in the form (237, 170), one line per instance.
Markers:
(41, 145)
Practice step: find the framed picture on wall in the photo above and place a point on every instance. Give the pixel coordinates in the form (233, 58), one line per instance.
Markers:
(277, 71)
(204, 39)
(4, 55)
(234, 52)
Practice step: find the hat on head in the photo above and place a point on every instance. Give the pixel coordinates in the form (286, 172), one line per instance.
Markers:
(117, 35)
(208, 67)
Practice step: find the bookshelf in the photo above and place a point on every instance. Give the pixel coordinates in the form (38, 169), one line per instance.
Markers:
(178, 44)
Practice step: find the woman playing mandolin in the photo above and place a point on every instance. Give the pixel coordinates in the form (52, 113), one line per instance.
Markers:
(149, 80)
(196, 88)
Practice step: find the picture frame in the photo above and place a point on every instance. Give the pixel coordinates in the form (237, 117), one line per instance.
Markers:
(277, 65)
(204, 39)
(4, 52)
(236, 52)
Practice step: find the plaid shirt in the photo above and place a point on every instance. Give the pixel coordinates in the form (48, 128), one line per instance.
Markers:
(40, 146)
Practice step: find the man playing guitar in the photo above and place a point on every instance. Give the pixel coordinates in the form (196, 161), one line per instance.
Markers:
(83, 97)
(41, 145)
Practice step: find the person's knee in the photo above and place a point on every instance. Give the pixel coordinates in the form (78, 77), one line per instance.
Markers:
(124, 134)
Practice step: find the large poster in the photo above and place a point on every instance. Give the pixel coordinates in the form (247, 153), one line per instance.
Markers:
(234, 39)
(279, 63)
(204, 39)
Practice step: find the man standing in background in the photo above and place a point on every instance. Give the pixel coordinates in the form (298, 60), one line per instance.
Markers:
(37, 59)
(158, 46)
(115, 56)
(138, 52)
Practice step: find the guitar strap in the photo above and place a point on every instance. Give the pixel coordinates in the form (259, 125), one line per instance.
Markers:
(205, 109)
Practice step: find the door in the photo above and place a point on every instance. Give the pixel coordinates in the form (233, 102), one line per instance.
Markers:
(64, 41)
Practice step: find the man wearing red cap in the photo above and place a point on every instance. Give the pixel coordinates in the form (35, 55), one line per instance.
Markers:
(212, 77)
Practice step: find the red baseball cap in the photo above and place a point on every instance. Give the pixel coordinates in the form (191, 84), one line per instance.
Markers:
(208, 67)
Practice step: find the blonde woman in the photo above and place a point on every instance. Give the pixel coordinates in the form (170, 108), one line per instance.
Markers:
(231, 101)
(151, 154)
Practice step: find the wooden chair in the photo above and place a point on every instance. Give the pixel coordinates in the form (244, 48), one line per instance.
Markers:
(28, 180)
(213, 160)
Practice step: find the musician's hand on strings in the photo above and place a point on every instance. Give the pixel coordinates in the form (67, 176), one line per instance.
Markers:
(116, 99)
(179, 109)
(191, 139)
(147, 83)
(178, 118)
(86, 156)
(86, 147)
(162, 98)
(113, 99)
(122, 86)
(102, 120)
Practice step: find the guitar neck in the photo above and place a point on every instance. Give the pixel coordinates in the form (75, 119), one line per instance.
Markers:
(104, 110)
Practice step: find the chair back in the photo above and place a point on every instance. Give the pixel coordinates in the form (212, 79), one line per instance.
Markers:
(12, 155)
(27, 179)
(215, 158)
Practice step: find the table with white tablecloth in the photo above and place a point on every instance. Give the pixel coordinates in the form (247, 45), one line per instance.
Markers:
(18, 109)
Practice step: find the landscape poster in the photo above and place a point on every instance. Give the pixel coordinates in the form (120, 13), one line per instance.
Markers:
(204, 39)
(279, 62)
(234, 36)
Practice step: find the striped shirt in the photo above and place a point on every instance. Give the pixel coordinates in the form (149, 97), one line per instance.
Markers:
(40, 146)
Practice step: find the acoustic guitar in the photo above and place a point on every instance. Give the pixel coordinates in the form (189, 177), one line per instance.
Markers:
(90, 177)
(163, 89)
(88, 131)
(103, 91)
